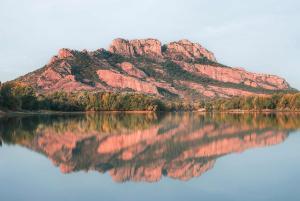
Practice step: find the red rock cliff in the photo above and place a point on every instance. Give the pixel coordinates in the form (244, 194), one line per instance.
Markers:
(181, 69)
(145, 47)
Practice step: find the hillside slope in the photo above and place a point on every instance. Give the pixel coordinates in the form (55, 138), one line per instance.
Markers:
(181, 69)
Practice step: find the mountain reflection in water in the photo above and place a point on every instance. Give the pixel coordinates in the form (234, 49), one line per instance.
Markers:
(145, 147)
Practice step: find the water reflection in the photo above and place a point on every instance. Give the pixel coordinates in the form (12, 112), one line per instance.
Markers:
(145, 147)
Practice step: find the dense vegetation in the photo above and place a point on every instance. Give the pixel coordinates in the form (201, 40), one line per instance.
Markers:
(99, 101)
(16, 96)
(279, 102)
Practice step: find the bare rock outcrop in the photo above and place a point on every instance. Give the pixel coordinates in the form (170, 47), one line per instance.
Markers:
(144, 47)
(132, 70)
(237, 76)
(217, 91)
(116, 79)
(152, 48)
(186, 50)
(64, 53)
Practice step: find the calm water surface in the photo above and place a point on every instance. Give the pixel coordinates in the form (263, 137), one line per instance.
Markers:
(173, 156)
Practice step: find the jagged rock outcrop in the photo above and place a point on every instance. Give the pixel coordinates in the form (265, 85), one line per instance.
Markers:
(186, 50)
(145, 47)
(152, 48)
(64, 53)
(182, 70)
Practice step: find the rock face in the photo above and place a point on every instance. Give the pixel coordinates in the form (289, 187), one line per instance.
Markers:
(152, 48)
(131, 70)
(184, 49)
(146, 47)
(64, 53)
(118, 80)
(237, 76)
(181, 69)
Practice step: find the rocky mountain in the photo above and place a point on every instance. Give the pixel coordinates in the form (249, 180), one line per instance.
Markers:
(181, 69)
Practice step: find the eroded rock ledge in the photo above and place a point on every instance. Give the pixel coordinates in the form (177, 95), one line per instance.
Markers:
(153, 48)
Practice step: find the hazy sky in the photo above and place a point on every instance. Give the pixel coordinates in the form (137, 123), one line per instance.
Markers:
(259, 35)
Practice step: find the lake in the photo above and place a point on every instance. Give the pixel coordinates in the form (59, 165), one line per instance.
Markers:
(164, 156)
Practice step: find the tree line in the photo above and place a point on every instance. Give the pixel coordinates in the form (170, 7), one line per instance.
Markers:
(279, 102)
(17, 96)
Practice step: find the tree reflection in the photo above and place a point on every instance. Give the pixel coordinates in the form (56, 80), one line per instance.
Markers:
(145, 147)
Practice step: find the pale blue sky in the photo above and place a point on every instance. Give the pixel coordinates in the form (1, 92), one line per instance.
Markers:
(259, 35)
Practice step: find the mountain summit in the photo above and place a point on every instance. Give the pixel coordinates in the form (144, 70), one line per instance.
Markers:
(182, 69)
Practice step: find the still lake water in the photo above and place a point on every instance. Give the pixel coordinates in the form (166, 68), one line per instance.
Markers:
(172, 156)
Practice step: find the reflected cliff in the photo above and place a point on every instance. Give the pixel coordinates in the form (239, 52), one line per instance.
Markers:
(145, 147)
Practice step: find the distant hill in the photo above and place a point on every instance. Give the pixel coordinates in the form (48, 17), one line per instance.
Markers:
(178, 70)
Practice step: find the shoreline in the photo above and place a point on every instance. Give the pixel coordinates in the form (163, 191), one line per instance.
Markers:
(251, 111)
(50, 112)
